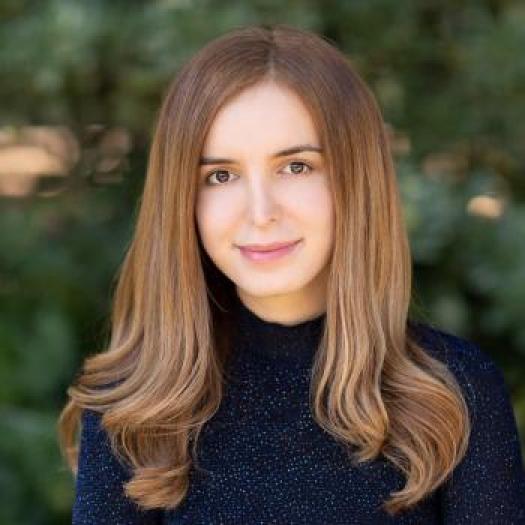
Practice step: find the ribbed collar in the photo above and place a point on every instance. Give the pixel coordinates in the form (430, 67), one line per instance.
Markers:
(277, 342)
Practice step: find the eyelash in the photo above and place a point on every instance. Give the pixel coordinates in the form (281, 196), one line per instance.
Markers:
(309, 168)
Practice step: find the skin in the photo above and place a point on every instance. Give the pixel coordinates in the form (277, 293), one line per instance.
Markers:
(261, 199)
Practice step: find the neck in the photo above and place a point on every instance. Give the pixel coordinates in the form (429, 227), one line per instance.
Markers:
(278, 342)
(286, 309)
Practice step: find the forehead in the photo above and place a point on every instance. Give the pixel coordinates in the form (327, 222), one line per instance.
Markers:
(267, 116)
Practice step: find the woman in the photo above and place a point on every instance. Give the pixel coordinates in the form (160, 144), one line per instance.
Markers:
(262, 367)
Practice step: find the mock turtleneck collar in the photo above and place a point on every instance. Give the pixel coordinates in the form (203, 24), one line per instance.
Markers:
(277, 342)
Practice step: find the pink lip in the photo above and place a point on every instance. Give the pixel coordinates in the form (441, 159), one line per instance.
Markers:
(267, 252)
(267, 247)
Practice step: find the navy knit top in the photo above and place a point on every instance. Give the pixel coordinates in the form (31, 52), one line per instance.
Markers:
(262, 458)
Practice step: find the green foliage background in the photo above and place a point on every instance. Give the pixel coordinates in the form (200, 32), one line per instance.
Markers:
(449, 76)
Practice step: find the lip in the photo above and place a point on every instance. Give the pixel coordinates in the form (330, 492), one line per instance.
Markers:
(267, 247)
(277, 251)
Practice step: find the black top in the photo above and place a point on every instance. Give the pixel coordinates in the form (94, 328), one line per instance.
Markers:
(263, 459)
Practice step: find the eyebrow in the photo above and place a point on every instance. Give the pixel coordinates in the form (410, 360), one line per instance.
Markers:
(282, 153)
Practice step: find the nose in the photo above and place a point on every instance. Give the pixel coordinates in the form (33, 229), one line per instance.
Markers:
(262, 207)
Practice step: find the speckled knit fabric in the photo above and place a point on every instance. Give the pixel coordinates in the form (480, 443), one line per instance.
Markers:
(264, 460)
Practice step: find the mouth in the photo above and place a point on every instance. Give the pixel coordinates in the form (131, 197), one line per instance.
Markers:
(268, 247)
(268, 253)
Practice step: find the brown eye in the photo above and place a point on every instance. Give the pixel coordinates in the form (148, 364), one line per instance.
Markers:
(222, 176)
(297, 167)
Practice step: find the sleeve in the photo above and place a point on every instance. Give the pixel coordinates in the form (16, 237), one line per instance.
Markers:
(99, 495)
(488, 485)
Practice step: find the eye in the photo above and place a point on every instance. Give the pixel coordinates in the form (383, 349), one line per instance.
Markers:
(221, 177)
(222, 174)
(298, 163)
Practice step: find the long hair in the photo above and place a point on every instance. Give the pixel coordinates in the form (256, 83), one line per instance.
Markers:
(373, 387)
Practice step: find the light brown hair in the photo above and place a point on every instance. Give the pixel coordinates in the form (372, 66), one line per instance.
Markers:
(161, 377)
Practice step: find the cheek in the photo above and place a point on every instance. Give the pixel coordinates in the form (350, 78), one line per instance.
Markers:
(314, 205)
(214, 215)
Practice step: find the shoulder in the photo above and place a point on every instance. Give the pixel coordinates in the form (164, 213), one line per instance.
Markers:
(96, 444)
(480, 378)
(99, 487)
(91, 419)
(93, 436)
(493, 461)
(460, 354)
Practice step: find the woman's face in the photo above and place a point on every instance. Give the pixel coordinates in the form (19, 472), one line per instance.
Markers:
(250, 195)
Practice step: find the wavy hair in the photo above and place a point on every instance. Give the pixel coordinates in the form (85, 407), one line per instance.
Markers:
(162, 375)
